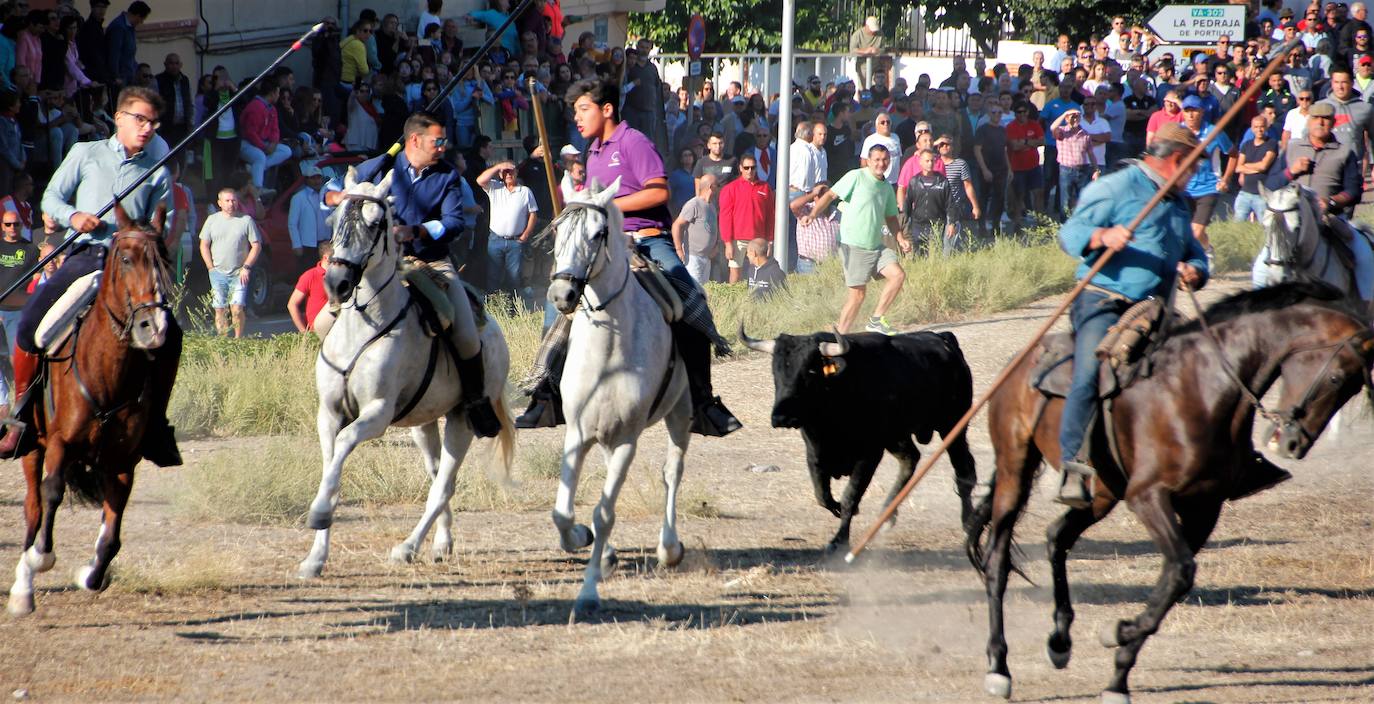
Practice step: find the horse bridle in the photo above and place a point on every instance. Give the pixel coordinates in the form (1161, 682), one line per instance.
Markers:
(382, 235)
(123, 329)
(599, 241)
(1289, 417)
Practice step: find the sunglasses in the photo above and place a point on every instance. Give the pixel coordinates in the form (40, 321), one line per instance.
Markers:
(746, 168)
(10, 224)
(1305, 98)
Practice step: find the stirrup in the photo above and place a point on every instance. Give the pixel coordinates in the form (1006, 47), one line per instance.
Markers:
(1074, 490)
(544, 412)
(713, 419)
(1258, 477)
(482, 417)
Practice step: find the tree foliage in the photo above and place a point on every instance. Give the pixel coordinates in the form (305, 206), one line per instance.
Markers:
(740, 26)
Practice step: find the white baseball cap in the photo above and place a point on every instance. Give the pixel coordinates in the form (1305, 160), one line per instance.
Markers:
(569, 150)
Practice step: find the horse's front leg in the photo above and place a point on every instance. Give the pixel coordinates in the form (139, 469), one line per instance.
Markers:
(602, 560)
(571, 535)
(679, 423)
(21, 593)
(457, 437)
(95, 576)
(1060, 537)
(340, 443)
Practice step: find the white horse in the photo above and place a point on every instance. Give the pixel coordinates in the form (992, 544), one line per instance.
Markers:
(622, 375)
(377, 368)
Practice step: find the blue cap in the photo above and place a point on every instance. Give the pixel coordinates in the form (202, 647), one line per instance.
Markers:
(1193, 102)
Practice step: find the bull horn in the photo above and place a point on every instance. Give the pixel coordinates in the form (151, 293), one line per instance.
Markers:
(835, 349)
(764, 346)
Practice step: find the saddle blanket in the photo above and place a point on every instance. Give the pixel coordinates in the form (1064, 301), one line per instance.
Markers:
(61, 319)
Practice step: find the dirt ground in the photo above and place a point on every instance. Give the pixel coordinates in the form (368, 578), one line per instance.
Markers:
(1282, 611)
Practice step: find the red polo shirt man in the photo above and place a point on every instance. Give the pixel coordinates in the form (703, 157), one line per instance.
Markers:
(746, 213)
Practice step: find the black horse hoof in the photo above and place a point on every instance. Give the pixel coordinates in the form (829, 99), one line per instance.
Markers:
(1058, 658)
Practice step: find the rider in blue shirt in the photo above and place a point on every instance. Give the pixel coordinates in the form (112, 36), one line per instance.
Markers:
(427, 210)
(1147, 263)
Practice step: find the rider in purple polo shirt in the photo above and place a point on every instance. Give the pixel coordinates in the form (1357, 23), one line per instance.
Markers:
(620, 151)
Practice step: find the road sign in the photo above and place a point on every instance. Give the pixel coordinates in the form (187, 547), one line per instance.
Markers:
(1180, 51)
(1198, 23)
(694, 68)
(696, 37)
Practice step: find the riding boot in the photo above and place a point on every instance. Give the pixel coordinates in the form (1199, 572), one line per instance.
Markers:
(1261, 474)
(1075, 490)
(159, 437)
(710, 417)
(546, 405)
(481, 415)
(25, 369)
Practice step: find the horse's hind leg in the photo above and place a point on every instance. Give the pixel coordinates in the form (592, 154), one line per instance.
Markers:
(21, 593)
(679, 422)
(1060, 537)
(457, 437)
(1156, 511)
(96, 575)
(602, 559)
(1015, 473)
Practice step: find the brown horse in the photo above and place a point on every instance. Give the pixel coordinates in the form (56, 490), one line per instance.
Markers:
(1183, 435)
(111, 376)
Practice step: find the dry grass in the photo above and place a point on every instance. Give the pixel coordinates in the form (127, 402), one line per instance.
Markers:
(266, 387)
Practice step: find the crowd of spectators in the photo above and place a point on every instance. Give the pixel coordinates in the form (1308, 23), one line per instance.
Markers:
(970, 154)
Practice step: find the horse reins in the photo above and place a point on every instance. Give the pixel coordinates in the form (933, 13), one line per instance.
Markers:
(599, 241)
(1299, 410)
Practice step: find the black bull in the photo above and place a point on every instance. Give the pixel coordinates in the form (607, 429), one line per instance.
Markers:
(854, 396)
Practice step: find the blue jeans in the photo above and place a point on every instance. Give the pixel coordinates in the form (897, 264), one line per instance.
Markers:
(1364, 266)
(1247, 203)
(1092, 314)
(504, 257)
(259, 162)
(1072, 181)
(661, 250)
(83, 259)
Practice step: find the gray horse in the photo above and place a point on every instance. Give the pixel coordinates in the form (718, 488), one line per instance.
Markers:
(622, 375)
(377, 368)
(1296, 246)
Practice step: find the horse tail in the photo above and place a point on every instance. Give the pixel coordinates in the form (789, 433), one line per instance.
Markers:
(85, 484)
(505, 440)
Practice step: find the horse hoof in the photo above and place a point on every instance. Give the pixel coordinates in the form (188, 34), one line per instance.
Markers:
(441, 552)
(585, 608)
(1110, 635)
(671, 557)
(402, 554)
(310, 570)
(582, 536)
(319, 520)
(1058, 658)
(84, 579)
(39, 561)
(609, 561)
(1115, 698)
(997, 685)
(21, 604)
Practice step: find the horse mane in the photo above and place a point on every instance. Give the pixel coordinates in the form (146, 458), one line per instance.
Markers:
(1278, 297)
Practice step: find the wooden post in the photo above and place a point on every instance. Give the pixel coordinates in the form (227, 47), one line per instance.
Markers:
(554, 193)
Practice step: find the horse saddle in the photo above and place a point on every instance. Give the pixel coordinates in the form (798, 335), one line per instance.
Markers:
(429, 287)
(62, 318)
(1122, 353)
(651, 277)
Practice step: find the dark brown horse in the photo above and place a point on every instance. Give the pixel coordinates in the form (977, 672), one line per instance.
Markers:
(112, 375)
(1183, 435)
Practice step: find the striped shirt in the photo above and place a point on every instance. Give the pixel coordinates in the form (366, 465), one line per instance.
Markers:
(957, 172)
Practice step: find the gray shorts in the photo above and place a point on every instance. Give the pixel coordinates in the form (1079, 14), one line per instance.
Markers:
(863, 265)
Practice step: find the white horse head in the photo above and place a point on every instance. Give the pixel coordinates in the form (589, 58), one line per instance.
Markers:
(588, 240)
(362, 236)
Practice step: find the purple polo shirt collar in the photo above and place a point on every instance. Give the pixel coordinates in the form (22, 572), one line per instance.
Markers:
(633, 158)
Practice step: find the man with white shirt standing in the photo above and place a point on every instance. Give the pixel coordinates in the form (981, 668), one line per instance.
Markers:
(884, 136)
(807, 169)
(1097, 128)
(513, 212)
(306, 220)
